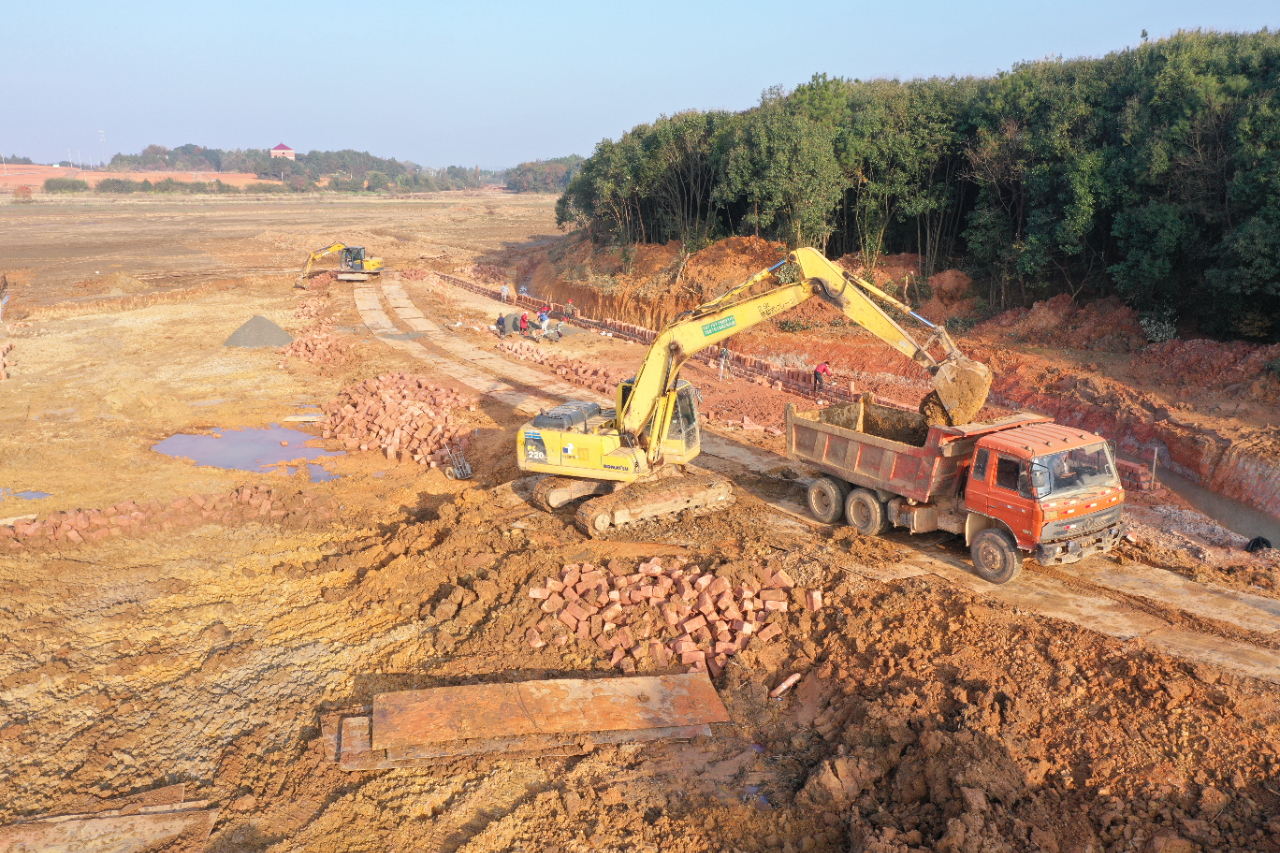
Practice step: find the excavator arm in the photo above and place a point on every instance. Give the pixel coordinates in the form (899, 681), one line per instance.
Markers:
(960, 384)
(315, 256)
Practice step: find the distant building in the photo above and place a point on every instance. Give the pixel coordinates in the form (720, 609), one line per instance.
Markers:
(282, 150)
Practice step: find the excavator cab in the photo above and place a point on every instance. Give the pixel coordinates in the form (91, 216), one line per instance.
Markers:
(353, 258)
(678, 411)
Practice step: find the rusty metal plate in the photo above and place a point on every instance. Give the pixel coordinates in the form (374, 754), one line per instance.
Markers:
(564, 706)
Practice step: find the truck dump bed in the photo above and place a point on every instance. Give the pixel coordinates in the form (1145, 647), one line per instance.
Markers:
(887, 447)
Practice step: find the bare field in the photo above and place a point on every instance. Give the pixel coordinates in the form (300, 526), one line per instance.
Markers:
(933, 713)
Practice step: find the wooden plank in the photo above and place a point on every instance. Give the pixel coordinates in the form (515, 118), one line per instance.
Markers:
(562, 706)
(175, 831)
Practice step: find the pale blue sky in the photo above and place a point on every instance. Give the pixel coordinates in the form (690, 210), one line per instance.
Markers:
(496, 83)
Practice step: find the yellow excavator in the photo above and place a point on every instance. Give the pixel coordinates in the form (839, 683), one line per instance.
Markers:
(353, 265)
(633, 456)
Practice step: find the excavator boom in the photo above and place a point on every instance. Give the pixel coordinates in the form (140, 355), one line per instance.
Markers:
(960, 383)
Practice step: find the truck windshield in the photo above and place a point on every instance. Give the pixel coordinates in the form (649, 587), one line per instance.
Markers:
(1071, 471)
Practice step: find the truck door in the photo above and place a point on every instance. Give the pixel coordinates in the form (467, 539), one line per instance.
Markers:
(1010, 498)
(975, 493)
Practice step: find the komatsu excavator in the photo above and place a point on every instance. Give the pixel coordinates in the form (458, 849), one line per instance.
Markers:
(352, 263)
(633, 456)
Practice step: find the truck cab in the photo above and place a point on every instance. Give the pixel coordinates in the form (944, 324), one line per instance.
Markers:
(1054, 489)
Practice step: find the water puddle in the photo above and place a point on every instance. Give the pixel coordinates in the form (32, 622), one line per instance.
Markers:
(1234, 515)
(250, 450)
(28, 495)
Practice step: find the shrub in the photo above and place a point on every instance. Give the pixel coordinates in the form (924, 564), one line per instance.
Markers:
(117, 186)
(1274, 367)
(961, 324)
(65, 185)
(1159, 326)
(22, 195)
(266, 188)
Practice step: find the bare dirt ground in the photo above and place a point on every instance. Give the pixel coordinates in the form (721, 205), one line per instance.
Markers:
(931, 715)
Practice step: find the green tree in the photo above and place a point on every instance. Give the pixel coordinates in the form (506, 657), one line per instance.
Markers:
(784, 167)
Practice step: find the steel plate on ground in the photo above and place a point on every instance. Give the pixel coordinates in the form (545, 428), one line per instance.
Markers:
(564, 706)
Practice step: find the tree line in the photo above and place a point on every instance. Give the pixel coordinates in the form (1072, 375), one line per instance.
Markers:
(1152, 173)
(544, 176)
(343, 171)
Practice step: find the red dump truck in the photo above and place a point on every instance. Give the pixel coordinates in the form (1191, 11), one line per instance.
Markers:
(1013, 486)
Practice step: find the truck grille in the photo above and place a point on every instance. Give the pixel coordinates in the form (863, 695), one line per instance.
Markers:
(1069, 528)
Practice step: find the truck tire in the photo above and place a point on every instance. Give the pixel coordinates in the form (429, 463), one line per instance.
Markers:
(865, 513)
(826, 499)
(995, 556)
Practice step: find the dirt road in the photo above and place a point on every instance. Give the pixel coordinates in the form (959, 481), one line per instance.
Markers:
(933, 713)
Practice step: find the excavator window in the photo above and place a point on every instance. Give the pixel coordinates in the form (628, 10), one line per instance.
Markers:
(684, 421)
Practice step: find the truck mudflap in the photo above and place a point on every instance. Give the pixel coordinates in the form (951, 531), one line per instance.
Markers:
(1072, 550)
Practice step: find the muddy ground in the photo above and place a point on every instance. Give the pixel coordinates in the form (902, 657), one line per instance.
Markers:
(928, 717)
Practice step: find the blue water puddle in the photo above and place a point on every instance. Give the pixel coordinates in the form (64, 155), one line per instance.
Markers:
(319, 475)
(249, 450)
(28, 495)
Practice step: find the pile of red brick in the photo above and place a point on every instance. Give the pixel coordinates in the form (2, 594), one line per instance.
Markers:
(61, 530)
(5, 364)
(680, 614)
(317, 346)
(320, 282)
(1134, 476)
(406, 417)
(311, 309)
(596, 378)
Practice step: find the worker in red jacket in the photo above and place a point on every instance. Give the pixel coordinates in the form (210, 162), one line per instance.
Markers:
(819, 374)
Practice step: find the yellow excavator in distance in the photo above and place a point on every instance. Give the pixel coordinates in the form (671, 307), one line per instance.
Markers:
(632, 456)
(352, 263)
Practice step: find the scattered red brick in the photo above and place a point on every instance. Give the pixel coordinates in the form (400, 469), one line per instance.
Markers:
(659, 614)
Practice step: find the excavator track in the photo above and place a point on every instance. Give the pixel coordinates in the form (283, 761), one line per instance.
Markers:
(554, 492)
(644, 500)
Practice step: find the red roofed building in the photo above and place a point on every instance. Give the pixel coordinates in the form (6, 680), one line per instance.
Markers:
(282, 150)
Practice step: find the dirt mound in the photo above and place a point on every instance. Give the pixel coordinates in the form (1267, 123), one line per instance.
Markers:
(950, 286)
(648, 285)
(1107, 325)
(1211, 364)
(407, 417)
(259, 332)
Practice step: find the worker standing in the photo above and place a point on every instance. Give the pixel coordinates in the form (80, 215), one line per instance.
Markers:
(571, 310)
(524, 324)
(544, 317)
(502, 326)
(506, 292)
(819, 374)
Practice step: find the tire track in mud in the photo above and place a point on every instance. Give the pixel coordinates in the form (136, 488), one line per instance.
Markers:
(1097, 606)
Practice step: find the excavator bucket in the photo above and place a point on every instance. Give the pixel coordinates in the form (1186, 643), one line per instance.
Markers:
(961, 386)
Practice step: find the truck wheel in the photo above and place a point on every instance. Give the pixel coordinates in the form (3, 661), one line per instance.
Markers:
(995, 556)
(826, 499)
(863, 510)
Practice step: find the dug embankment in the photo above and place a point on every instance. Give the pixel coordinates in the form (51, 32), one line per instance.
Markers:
(1126, 704)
